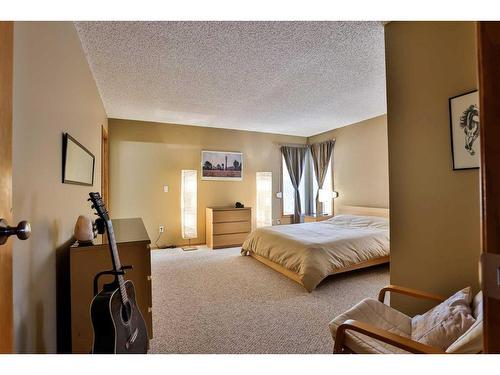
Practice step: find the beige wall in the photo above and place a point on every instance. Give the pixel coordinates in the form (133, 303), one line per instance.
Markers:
(361, 175)
(54, 92)
(435, 229)
(144, 156)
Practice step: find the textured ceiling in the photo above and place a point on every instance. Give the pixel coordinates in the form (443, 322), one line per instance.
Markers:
(299, 78)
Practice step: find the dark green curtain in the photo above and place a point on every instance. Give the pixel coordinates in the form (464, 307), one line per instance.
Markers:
(294, 160)
(321, 154)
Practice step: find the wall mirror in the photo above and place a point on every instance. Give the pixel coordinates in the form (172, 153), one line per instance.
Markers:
(78, 163)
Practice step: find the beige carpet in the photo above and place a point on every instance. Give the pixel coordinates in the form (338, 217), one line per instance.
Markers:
(216, 301)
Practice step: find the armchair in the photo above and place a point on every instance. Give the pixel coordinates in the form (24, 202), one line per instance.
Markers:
(373, 327)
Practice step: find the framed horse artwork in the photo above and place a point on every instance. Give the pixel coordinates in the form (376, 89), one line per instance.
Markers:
(464, 129)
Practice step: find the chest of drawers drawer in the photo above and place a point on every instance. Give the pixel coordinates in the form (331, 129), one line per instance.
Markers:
(228, 216)
(228, 240)
(232, 227)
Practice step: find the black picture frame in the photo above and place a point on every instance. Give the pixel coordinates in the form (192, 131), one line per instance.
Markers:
(65, 138)
(453, 151)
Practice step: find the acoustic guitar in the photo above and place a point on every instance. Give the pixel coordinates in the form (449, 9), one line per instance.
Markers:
(119, 327)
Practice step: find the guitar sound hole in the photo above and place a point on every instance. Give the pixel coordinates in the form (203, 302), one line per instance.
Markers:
(126, 312)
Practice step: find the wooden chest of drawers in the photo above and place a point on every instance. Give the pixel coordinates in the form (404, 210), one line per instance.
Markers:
(227, 226)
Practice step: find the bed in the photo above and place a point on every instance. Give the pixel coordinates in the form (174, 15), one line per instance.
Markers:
(357, 237)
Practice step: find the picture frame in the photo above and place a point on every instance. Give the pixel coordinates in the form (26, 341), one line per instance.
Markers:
(78, 163)
(221, 166)
(464, 130)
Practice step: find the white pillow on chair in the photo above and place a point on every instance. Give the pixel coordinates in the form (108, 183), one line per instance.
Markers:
(445, 323)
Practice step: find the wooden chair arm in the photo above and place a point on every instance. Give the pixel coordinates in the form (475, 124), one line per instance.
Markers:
(381, 335)
(409, 292)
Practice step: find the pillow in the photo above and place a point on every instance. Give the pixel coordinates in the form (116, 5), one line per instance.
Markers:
(444, 324)
(357, 221)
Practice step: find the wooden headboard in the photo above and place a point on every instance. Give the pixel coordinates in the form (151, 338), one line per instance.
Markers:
(363, 211)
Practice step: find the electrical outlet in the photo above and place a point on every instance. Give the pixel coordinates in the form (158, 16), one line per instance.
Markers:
(165, 188)
(278, 221)
(162, 229)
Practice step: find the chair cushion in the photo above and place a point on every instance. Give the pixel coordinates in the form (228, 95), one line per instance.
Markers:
(471, 342)
(444, 324)
(377, 314)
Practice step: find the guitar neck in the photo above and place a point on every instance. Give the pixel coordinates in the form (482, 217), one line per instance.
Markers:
(116, 259)
(112, 246)
(101, 211)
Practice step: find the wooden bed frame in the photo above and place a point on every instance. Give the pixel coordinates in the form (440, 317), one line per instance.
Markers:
(346, 210)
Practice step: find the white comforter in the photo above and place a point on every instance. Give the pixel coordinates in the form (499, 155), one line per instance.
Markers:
(316, 250)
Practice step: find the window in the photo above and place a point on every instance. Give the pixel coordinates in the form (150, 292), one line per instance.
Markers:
(189, 198)
(264, 211)
(289, 192)
(327, 185)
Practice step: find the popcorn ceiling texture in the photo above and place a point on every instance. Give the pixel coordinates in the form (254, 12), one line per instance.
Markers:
(298, 78)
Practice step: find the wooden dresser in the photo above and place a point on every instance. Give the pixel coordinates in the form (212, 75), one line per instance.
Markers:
(227, 226)
(86, 261)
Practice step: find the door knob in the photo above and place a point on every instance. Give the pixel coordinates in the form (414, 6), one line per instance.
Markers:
(22, 231)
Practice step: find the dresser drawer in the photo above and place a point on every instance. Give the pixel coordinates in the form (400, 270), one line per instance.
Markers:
(227, 240)
(232, 227)
(232, 215)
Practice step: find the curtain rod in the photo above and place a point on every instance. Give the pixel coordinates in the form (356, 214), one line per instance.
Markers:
(301, 144)
(291, 144)
(327, 140)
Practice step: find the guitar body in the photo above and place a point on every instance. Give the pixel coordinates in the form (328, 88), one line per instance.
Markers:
(117, 331)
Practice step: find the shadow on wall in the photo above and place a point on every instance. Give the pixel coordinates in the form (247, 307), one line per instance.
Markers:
(33, 332)
(40, 343)
(31, 318)
(63, 295)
